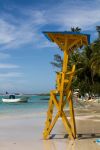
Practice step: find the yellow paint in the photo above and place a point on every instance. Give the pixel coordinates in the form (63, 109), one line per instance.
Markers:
(66, 43)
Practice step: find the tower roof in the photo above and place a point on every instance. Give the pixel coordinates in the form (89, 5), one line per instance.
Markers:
(74, 38)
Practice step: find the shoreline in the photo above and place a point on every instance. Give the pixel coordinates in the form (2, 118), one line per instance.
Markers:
(25, 131)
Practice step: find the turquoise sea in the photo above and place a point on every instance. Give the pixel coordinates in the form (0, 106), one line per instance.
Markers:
(34, 104)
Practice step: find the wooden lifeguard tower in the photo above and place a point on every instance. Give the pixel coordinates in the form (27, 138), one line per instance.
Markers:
(67, 42)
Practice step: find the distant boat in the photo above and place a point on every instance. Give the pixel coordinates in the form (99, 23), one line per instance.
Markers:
(12, 99)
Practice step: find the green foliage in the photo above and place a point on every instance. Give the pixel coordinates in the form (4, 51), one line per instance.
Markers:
(77, 29)
(95, 60)
(87, 61)
(57, 61)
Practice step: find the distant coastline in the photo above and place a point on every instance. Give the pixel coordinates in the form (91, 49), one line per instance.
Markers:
(29, 94)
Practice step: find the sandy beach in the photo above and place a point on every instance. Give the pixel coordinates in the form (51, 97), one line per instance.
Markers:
(25, 132)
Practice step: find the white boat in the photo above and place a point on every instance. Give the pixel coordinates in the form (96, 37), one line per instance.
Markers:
(13, 99)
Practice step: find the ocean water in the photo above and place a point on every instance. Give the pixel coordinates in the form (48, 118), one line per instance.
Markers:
(35, 104)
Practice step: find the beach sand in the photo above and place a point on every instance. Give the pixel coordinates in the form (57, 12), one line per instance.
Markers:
(25, 132)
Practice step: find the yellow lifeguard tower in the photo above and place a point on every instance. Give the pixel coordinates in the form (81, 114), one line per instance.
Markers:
(67, 42)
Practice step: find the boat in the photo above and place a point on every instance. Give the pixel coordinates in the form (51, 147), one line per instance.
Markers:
(12, 99)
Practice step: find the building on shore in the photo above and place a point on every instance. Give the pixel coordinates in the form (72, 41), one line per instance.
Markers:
(98, 30)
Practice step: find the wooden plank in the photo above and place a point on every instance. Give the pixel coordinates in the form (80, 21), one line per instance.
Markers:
(67, 125)
(46, 133)
(72, 117)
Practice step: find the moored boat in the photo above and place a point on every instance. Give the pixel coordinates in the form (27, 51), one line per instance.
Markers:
(13, 99)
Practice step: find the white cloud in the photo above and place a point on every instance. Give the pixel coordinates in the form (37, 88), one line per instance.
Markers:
(16, 31)
(8, 66)
(76, 13)
(13, 36)
(10, 75)
(6, 31)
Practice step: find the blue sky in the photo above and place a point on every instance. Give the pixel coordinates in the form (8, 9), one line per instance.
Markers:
(25, 53)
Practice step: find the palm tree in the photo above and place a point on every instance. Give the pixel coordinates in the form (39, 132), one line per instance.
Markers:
(87, 75)
(95, 60)
(75, 29)
(58, 61)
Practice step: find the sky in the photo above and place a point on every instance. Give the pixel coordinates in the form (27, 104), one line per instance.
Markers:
(25, 53)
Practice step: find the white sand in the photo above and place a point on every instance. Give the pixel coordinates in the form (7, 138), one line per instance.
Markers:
(25, 133)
